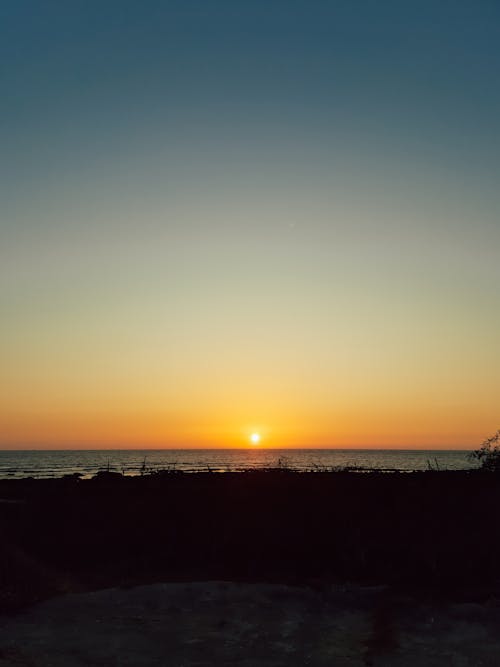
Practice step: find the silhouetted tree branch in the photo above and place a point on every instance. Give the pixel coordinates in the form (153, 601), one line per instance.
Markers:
(488, 453)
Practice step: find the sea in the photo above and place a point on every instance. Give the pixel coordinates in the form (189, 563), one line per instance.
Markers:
(58, 463)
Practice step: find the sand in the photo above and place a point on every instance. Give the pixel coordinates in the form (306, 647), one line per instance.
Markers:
(251, 625)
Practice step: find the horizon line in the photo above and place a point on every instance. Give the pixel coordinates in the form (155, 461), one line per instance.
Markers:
(242, 448)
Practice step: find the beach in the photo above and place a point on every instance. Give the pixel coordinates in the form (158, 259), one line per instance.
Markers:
(254, 625)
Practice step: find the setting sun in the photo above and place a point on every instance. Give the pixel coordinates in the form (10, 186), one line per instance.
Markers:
(255, 438)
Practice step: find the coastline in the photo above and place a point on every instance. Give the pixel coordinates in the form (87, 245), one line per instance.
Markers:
(15, 464)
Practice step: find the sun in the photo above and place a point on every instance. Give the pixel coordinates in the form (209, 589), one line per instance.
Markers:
(255, 438)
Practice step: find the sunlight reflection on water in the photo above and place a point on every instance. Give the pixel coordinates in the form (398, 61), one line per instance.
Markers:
(131, 462)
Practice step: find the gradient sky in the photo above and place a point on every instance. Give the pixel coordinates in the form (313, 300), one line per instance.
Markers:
(219, 217)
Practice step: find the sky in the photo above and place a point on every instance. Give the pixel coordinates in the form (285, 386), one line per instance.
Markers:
(220, 218)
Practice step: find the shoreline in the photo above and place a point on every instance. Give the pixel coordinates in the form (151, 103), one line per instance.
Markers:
(53, 464)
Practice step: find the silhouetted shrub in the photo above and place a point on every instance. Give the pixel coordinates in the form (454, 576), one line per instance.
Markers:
(489, 453)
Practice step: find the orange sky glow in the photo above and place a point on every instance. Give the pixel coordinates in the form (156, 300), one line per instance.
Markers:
(217, 223)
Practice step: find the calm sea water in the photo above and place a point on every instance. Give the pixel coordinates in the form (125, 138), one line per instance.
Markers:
(130, 462)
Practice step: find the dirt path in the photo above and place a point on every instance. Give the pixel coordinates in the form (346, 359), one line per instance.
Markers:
(217, 623)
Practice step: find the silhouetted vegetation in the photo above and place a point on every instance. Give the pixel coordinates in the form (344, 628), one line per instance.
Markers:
(489, 453)
(431, 528)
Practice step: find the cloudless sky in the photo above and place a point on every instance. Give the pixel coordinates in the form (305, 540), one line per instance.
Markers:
(225, 217)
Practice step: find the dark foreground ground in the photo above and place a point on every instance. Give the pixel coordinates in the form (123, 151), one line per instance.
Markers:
(320, 569)
(221, 624)
(435, 533)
